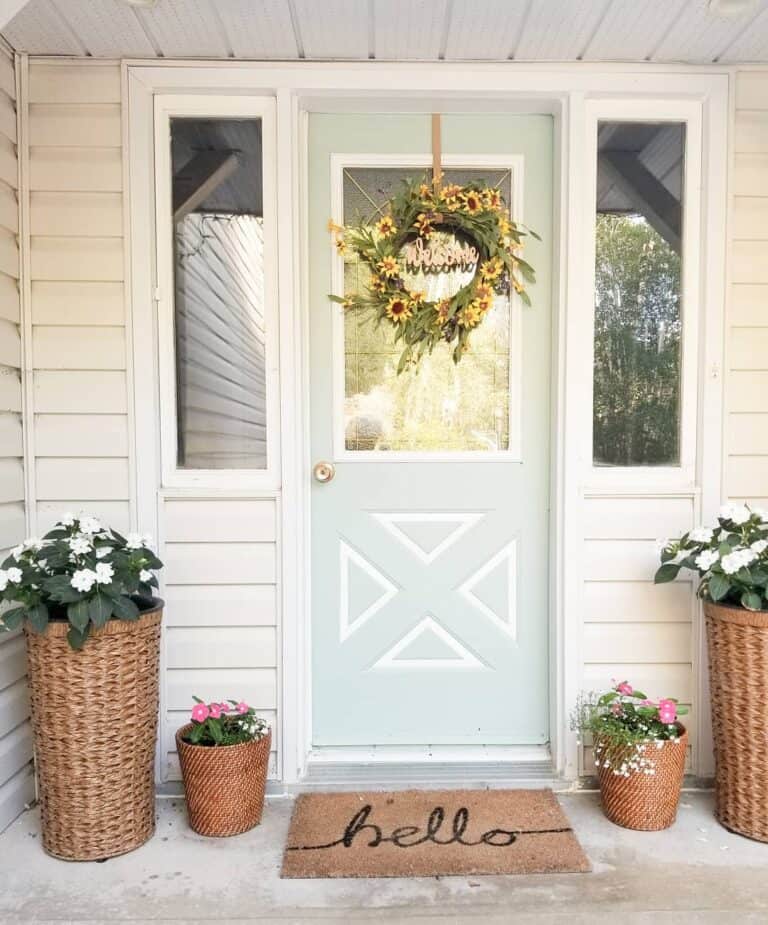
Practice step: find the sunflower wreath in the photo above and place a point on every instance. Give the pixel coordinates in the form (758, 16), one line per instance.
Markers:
(464, 229)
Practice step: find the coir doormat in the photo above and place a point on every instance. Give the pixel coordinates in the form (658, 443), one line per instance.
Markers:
(421, 833)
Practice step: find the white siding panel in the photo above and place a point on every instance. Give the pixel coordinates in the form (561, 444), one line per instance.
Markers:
(78, 348)
(10, 344)
(227, 647)
(60, 258)
(84, 302)
(10, 389)
(81, 435)
(7, 116)
(9, 254)
(11, 480)
(637, 602)
(75, 125)
(11, 436)
(750, 218)
(257, 686)
(220, 605)
(9, 298)
(92, 214)
(749, 346)
(636, 518)
(114, 513)
(751, 132)
(620, 560)
(219, 563)
(750, 90)
(88, 391)
(748, 391)
(749, 305)
(655, 680)
(87, 83)
(82, 479)
(748, 433)
(637, 643)
(12, 525)
(747, 477)
(76, 169)
(233, 520)
(750, 175)
(9, 210)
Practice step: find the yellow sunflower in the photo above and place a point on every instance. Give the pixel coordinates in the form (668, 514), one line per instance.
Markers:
(505, 226)
(443, 307)
(377, 284)
(333, 227)
(349, 302)
(492, 198)
(491, 270)
(398, 309)
(386, 226)
(473, 202)
(425, 191)
(484, 297)
(388, 267)
(423, 225)
(341, 246)
(471, 315)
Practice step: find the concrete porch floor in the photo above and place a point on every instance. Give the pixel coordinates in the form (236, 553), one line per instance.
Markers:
(694, 872)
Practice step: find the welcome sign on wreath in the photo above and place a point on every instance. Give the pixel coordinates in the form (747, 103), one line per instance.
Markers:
(437, 257)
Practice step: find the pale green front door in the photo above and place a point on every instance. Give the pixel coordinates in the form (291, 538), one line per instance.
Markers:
(430, 545)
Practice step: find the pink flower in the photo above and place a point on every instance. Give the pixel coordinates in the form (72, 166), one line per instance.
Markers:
(200, 713)
(667, 711)
(223, 707)
(215, 710)
(624, 688)
(647, 703)
(242, 707)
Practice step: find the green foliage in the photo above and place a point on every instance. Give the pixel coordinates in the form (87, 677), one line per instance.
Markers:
(731, 558)
(622, 722)
(474, 214)
(80, 572)
(637, 344)
(227, 723)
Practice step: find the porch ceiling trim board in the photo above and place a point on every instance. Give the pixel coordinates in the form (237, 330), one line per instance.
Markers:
(453, 30)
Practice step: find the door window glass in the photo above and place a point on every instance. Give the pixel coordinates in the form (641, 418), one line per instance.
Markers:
(638, 322)
(439, 406)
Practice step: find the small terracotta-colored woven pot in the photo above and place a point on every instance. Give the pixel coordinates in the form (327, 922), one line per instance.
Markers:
(224, 784)
(737, 641)
(646, 802)
(94, 722)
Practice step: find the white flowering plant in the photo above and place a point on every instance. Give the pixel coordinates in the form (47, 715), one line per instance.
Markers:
(81, 572)
(623, 722)
(730, 557)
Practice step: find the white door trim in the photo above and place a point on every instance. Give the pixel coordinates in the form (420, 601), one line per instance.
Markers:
(560, 89)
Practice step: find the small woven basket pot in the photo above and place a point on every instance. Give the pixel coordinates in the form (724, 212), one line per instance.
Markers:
(646, 802)
(224, 784)
(94, 722)
(737, 641)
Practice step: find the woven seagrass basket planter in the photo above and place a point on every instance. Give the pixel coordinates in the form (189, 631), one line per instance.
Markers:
(94, 722)
(224, 784)
(737, 640)
(646, 802)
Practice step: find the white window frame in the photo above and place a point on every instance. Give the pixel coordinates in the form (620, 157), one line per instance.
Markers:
(515, 164)
(166, 108)
(649, 110)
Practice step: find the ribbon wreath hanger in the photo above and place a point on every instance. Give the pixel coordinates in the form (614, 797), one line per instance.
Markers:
(437, 141)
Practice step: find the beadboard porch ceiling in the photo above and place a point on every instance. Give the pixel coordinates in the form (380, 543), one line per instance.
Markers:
(688, 31)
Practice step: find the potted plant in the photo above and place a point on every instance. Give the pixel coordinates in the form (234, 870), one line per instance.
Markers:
(224, 756)
(731, 558)
(639, 748)
(84, 596)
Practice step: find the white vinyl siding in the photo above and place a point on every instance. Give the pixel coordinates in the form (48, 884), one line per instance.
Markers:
(746, 434)
(80, 392)
(220, 580)
(221, 617)
(16, 780)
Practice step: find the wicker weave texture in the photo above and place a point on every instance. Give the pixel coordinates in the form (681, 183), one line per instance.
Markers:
(738, 678)
(224, 785)
(646, 802)
(94, 720)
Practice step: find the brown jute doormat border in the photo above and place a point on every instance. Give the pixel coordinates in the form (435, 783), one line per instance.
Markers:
(429, 833)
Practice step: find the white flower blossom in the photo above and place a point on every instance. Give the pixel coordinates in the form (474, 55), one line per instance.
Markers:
(706, 559)
(67, 520)
(17, 552)
(83, 579)
(702, 535)
(80, 545)
(738, 559)
(146, 540)
(3, 579)
(14, 575)
(133, 541)
(759, 546)
(736, 513)
(103, 551)
(105, 572)
(89, 525)
(145, 575)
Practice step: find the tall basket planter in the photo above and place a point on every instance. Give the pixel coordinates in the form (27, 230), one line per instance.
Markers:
(646, 802)
(224, 785)
(94, 720)
(737, 641)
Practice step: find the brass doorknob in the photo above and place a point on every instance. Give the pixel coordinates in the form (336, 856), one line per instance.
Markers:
(324, 471)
